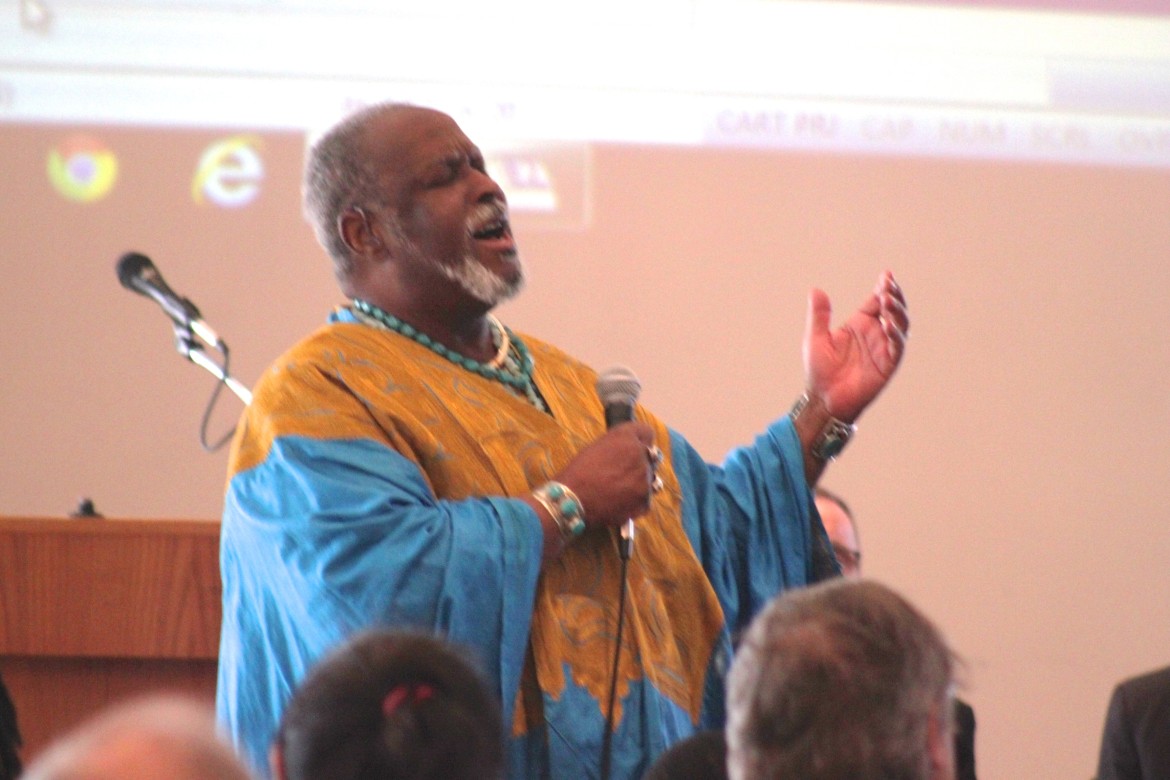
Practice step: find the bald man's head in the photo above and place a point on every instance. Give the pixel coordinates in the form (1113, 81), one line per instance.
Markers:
(842, 530)
(159, 736)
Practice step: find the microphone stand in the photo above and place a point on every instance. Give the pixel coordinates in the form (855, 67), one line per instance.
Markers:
(189, 348)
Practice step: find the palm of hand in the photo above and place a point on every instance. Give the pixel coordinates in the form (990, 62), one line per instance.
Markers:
(849, 366)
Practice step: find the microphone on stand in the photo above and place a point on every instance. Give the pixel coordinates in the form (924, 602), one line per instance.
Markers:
(618, 390)
(137, 273)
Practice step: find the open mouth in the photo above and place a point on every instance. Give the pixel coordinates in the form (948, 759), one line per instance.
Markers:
(495, 229)
(490, 223)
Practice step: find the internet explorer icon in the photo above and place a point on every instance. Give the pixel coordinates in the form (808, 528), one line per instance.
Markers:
(229, 173)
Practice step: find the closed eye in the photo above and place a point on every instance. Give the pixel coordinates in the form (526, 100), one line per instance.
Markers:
(445, 172)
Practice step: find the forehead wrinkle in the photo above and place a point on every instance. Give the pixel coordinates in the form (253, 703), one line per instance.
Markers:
(409, 136)
(426, 158)
(459, 151)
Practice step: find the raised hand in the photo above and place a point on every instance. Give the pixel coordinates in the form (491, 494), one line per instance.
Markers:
(848, 366)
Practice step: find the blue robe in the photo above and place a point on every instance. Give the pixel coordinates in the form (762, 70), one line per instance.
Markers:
(373, 483)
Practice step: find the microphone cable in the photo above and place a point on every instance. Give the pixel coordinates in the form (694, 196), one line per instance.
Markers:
(219, 386)
(625, 551)
(618, 389)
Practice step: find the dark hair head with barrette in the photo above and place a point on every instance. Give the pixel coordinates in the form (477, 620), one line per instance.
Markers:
(391, 704)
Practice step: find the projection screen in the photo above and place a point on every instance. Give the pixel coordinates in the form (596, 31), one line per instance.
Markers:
(680, 173)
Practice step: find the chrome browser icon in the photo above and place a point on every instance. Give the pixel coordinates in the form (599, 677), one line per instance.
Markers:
(82, 168)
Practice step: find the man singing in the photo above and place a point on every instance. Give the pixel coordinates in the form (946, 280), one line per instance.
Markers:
(417, 463)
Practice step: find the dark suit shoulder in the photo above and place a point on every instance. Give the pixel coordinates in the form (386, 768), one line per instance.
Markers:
(1149, 687)
(1135, 744)
(1145, 702)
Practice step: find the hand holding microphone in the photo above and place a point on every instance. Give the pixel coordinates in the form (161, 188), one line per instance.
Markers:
(618, 390)
(611, 476)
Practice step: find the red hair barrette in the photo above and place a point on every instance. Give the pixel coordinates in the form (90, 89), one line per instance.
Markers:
(411, 693)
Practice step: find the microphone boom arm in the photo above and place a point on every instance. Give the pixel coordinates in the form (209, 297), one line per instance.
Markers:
(187, 346)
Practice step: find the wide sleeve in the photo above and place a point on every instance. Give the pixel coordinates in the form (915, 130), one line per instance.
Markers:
(324, 537)
(752, 521)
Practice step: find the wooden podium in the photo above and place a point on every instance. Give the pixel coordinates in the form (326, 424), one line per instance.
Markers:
(93, 611)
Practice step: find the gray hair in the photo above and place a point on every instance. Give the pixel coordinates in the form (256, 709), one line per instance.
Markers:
(157, 735)
(337, 175)
(837, 680)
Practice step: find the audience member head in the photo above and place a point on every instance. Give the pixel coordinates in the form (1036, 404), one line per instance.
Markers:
(387, 705)
(841, 527)
(142, 739)
(845, 679)
(699, 757)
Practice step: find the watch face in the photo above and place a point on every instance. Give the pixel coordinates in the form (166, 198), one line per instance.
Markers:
(831, 447)
(832, 440)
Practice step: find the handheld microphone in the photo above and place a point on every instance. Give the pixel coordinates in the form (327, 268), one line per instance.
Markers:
(618, 390)
(137, 273)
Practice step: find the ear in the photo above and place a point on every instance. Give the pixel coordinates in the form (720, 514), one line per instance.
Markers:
(358, 231)
(276, 762)
(940, 742)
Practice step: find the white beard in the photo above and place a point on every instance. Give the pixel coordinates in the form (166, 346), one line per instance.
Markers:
(475, 280)
(480, 283)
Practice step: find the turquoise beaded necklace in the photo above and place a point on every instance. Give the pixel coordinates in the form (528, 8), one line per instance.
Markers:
(513, 367)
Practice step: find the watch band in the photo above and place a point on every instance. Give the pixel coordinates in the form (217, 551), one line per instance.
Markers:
(832, 437)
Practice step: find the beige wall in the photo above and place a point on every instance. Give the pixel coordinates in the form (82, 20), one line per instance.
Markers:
(1012, 480)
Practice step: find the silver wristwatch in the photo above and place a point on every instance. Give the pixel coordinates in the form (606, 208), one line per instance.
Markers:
(831, 439)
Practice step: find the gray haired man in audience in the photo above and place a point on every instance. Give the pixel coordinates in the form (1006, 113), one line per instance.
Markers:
(845, 679)
(841, 527)
(155, 736)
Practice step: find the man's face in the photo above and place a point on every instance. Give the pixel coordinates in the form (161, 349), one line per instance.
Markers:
(444, 213)
(842, 536)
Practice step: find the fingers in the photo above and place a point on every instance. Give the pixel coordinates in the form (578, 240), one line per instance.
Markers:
(654, 457)
(820, 312)
(893, 301)
(654, 454)
(889, 286)
(643, 472)
(638, 437)
(623, 472)
(641, 432)
(893, 315)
